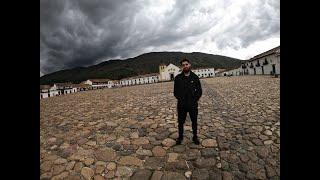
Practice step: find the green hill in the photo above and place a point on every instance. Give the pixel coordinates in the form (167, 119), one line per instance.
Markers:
(142, 64)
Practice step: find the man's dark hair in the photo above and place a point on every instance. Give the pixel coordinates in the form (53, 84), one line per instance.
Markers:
(185, 60)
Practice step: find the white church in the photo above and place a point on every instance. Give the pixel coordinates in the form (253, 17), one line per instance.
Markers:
(168, 73)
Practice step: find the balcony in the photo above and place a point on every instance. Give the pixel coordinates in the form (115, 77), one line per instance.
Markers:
(265, 62)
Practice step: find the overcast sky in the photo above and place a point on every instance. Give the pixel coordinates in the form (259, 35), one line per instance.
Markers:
(85, 32)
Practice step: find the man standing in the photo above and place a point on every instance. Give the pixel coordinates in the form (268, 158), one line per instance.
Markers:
(187, 90)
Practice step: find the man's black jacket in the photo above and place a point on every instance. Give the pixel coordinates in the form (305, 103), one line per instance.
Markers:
(187, 90)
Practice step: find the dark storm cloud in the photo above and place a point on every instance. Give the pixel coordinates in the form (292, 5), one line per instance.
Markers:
(77, 33)
(84, 32)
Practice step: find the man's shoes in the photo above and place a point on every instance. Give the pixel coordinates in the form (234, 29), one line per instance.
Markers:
(178, 141)
(196, 140)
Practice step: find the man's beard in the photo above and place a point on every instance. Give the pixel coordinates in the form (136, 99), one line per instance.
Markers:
(186, 70)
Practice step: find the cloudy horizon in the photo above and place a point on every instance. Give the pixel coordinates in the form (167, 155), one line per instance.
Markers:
(82, 33)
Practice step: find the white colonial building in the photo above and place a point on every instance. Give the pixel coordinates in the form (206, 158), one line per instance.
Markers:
(99, 83)
(168, 73)
(231, 72)
(141, 79)
(204, 72)
(44, 91)
(235, 71)
(266, 63)
(49, 91)
(65, 88)
(54, 91)
(114, 83)
(82, 87)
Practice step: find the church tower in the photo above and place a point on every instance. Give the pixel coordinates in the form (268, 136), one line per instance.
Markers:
(162, 67)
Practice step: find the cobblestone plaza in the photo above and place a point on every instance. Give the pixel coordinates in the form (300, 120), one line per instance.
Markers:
(129, 132)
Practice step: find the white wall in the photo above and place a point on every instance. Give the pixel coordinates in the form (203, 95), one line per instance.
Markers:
(54, 93)
(258, 69)
(99, 85)
(44, 95)
(111, 84)
(142, 80)
(165, 74)
(278, 65)
(88, 82)
(251, 71)
(235, 72)
(204, 72)
(53, 88)
(272, 60)
(67, 91)
(267, 69)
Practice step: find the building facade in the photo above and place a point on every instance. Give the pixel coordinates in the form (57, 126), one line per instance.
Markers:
(44, 91)
(65, 88)
(99, 83)
(267, 63)
(49, 91)
(168, 73)
(141, 79)
(82, 87)
(204, 72)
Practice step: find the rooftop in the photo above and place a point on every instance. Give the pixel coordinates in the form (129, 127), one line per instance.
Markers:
(80, 85)
(141, 76)
(64, 84)
(275, 50)
(99, 80)
(44, 87)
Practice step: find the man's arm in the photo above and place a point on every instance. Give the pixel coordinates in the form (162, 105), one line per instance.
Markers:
(175, 88)
(199, 90)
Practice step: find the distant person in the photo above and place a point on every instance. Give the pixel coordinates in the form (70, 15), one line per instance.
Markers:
(187, 90)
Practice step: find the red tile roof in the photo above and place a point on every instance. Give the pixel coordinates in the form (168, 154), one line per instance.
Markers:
(141, 76)
(100, 80)
(80, 85)
(63, 84)
(200, 68)
(42, 87)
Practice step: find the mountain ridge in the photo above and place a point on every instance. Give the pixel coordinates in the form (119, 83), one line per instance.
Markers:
(142, 64)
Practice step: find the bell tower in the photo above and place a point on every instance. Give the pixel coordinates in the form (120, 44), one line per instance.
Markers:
(162, 67)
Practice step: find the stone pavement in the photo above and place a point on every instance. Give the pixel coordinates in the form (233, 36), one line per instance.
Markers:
(129, 132)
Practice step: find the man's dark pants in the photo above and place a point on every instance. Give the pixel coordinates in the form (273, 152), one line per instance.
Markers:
(182, 114)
